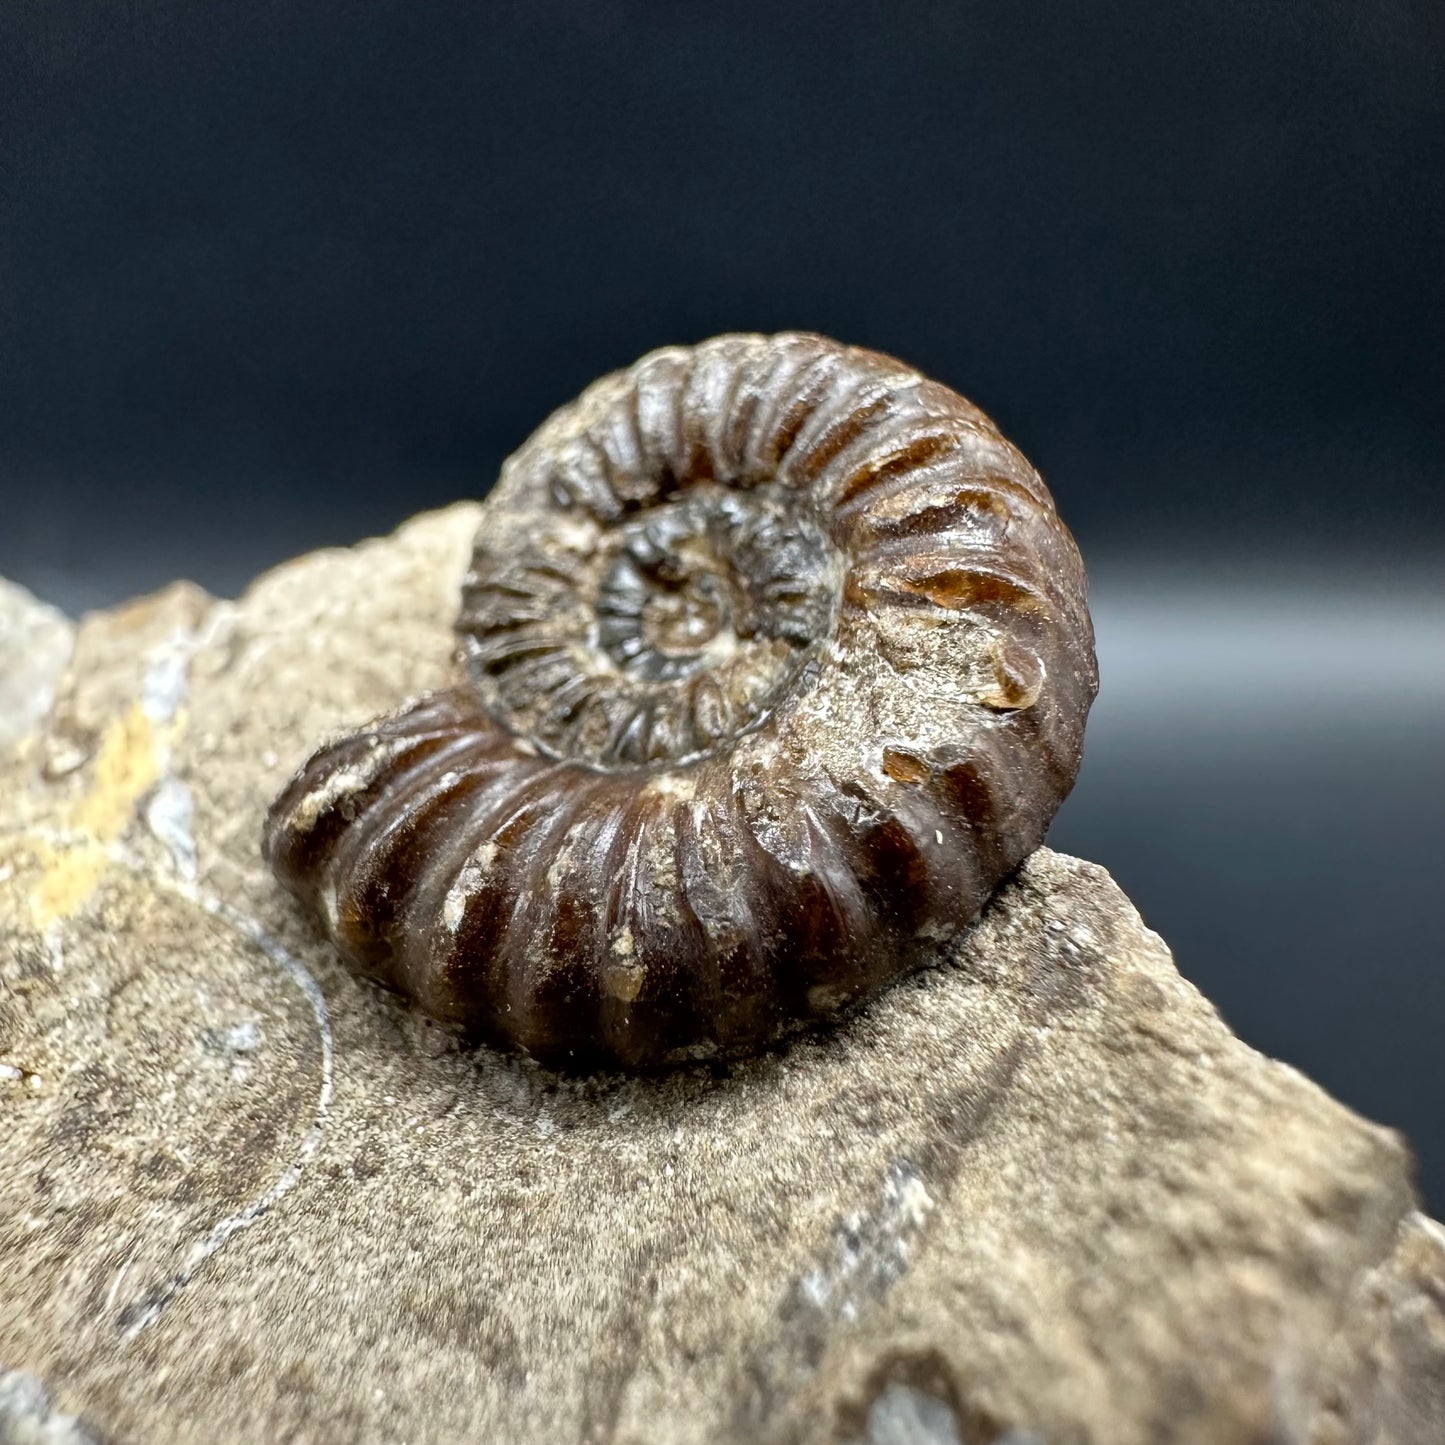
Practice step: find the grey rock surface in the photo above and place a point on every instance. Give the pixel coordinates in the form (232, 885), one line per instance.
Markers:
(26, 1417)
(1039, 1193)
(35, 641)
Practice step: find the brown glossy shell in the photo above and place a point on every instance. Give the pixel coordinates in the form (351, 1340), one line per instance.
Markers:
(777, 662)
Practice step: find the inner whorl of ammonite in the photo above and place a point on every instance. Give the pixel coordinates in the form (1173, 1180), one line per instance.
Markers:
(659, 639)
(774, 663)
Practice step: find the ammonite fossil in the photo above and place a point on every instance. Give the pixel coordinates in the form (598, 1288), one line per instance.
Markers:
(776, 662)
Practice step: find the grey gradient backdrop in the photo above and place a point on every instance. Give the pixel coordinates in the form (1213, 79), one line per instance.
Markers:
(274, 275)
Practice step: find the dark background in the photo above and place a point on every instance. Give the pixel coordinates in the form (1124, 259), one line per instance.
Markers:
(274, 275)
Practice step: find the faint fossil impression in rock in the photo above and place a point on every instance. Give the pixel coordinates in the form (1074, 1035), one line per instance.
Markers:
(777, 661)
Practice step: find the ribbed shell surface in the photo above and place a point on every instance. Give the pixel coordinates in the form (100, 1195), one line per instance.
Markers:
(775, 660)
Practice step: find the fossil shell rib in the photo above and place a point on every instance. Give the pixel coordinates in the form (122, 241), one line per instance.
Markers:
(777, 662)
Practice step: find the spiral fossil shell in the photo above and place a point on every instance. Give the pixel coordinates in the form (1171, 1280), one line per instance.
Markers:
(776, 662)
